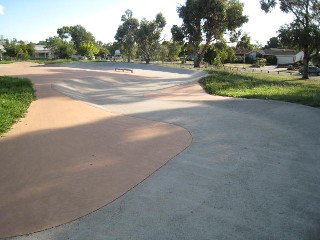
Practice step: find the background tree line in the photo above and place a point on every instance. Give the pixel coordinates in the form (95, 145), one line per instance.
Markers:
(15, 49)
(208, 27)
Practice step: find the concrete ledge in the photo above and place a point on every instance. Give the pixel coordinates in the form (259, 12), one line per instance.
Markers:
(124, 69)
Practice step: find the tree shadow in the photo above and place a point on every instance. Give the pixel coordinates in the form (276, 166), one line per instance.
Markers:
(50, 177)
(249, 160)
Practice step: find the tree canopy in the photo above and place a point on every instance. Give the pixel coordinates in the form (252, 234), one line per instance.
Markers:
(103, 49)
(245, 42)
(273, 42)
(18, 49)
(60, 48)
(78, 35)
(72, 40)
(148, 36)
(205, 21)
(126, 33)
(219, 53)
(304, 32)
(88, 49)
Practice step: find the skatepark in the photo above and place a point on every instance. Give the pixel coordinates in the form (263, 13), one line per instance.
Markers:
(147, 154)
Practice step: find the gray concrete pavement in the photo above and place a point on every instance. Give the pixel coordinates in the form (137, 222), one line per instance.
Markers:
(252, 171)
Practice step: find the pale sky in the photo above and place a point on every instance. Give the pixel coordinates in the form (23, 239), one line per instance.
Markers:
(35, 20)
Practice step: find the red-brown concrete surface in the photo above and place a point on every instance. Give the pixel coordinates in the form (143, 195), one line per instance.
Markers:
(66, 158)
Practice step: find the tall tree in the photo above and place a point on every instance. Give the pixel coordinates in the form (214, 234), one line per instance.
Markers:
(23, 50)
(164, 51)
(88, 49)
(126, 33)
(245, 42)
(11, 48)
(148, 36)
(174, 49)
(205, 21)
(219, 52)
(31, 49)
(257, 45)
(60, 47)
(273, 43)
(18, 49)
(103, 49)
(65, 50)
(78, 35)
(178, 38)
(304, 30)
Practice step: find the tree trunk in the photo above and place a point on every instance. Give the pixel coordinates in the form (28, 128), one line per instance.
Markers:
(306, 63)
(198, 59)
(200, 56)
(306, 46)
(147, 60)
(196, 62)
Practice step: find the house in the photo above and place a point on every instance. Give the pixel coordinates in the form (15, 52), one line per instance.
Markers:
(241, 52)
(283, 56)
(42, 52)
(2, 50)
(117, 55)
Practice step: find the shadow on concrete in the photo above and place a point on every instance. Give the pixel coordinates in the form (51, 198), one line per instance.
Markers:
(113, 65)
(54, 176)
(251, 172)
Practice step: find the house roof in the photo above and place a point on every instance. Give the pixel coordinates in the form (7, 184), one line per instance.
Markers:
(277, 52)
(238, 51)
(41, 48)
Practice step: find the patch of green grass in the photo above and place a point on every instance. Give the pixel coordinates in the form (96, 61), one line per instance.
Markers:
(16, 94)
(52, 61)
(61, 61)
(263, 86)
(6, 62)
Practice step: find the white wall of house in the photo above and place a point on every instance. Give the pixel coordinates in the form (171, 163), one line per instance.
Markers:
(299, 56)
(281, 59)
(253, 55)
(1, 51)
(290, 59)
(285, 59)
(41, 51)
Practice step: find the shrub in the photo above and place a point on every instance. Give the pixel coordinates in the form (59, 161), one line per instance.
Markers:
(261, 62)
(217, 62)
(238, 60)
(272, 60)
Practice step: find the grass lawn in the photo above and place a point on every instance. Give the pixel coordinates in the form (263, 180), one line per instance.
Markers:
(61, 61)
(16, 94)
(263, 86)
(6, 62)
(51, 61)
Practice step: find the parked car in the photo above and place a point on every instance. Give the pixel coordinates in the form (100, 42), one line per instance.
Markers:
(311, 70)
(293, 67)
